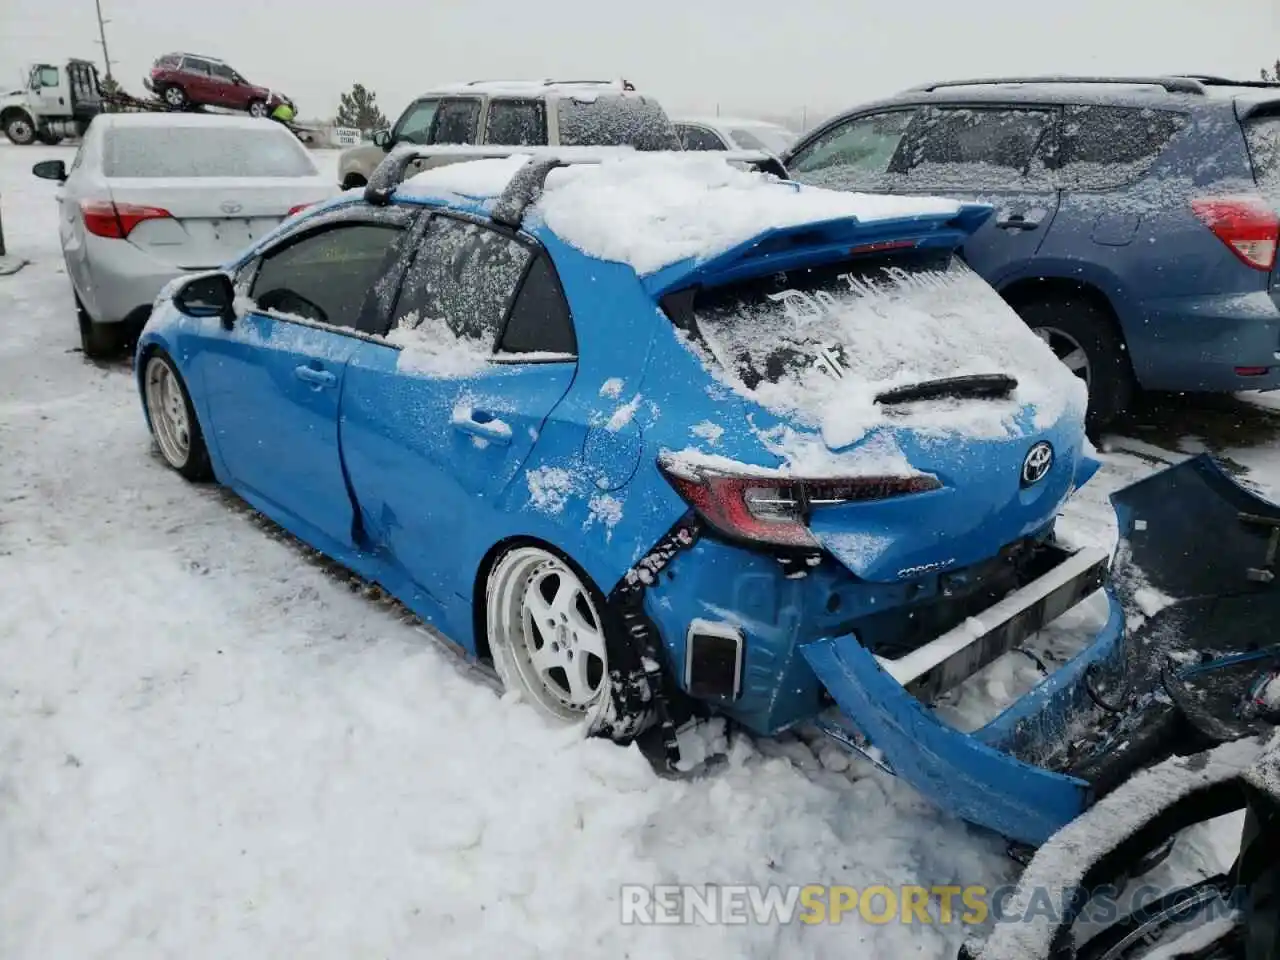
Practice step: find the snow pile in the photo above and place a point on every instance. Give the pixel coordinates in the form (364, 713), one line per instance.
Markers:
(655, 210)
(623, 415)
(430, 348)
(549, 488)
(606, 510)
(475, 179)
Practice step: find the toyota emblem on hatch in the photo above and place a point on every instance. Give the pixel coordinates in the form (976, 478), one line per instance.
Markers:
(1037, 463)
(230, 206)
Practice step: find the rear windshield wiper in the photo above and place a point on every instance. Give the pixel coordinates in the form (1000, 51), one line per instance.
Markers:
(982, 386)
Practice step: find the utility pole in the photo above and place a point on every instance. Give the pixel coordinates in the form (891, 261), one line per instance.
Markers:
(102, 32)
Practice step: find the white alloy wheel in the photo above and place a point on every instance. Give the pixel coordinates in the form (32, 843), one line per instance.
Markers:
(547, 637)
(167, 408)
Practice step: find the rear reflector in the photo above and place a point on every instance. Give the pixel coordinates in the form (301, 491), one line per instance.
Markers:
(298, 209)
(1247, 225)
(767, 508)
(102, 218)
(1252, 371)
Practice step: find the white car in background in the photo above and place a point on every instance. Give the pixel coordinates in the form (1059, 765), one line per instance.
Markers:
(152, 196)
(733, 133)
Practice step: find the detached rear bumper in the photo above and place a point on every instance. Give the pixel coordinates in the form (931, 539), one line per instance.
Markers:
(1177, 683)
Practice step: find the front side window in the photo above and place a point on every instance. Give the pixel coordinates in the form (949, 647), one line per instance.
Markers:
(221, 71)
(326, 277)
(855, 153)
(516, 123)
(47, 76)
(975, 145)
(456, 122)
(415, 123)
(460, 284)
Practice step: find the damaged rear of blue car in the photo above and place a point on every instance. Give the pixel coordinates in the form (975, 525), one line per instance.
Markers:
(660, 437)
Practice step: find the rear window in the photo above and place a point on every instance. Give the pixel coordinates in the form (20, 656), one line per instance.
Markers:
(616, 121)
(1264, 150)
(824, 342)
(191, 151)
(1110, 146)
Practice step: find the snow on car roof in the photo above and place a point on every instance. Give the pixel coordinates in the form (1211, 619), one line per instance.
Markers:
(653, 210)
(532, 88)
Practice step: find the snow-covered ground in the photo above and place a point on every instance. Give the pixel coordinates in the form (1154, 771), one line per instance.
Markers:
(210, 747)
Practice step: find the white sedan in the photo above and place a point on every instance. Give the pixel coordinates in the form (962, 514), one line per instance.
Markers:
(152, 196)
(732, 133)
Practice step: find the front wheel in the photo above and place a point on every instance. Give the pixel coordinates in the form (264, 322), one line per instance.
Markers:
(20, 129)
(549, 632)
(257, 109)
(173, 418)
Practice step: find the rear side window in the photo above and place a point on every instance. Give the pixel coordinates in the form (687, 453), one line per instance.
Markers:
(456, 122)
(192, 65)
(516, 123)
(975, 145)
(1110, 146)
(267, 150)
(615, 121)
(167, 61)
(539, 321)
(461, 282)
(1263, 136)
(697, 138)
(856, 153)
(326, 277)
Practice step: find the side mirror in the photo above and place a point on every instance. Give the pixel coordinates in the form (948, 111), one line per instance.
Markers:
(51, 170)
(211, 295)
(382, 138)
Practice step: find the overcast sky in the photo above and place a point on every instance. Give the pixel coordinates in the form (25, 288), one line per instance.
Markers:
(747, 56)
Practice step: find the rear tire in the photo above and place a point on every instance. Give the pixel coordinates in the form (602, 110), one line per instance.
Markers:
(20, 129)
(354, 180)
(257, 108)
(175, 98)
(172, 418)
(49, 139)
(1084, 336)
(98, 340)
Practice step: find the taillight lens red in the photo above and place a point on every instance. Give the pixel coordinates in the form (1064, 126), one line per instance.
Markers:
(771, 509)
(116, 221)
(298, 209)
(1247, 225)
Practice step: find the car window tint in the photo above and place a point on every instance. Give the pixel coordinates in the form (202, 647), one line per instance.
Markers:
(698, 138)
(192, 65)
(222, 71)
(540, 320)
(1263, 136)
(461, 280)
(1110, 146)
(326, 277)
(48, 76)
(456, 122)
(264, 150)
(853, 153)
(974, 145)
(516, 123)
(415, 124)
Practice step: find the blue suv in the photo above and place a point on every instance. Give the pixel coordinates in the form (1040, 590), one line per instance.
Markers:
(1136, 224)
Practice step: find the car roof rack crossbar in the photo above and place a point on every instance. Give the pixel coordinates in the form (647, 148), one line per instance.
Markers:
(528, 181)
(1170, 84)
(1227, 82)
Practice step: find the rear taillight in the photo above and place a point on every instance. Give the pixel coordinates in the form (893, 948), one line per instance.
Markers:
(1247, 225)
(766, 508)
(298, 209)
(103, 218)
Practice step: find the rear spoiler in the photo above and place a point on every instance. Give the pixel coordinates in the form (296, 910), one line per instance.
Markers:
(1247, 107)
(527, 183)
(825, 241)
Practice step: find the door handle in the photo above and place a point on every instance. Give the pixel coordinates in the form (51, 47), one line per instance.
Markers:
(1017, 222)
(478, 423)
(321, 378)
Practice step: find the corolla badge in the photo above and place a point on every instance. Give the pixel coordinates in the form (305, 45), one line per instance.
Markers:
(1037, 463)
(230, 206)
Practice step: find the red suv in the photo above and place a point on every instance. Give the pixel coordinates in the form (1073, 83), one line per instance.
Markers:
(186, 79)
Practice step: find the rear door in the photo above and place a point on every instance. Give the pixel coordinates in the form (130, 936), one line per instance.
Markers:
(999, 155)
(223, 187)
(274, 379)
(438, 420)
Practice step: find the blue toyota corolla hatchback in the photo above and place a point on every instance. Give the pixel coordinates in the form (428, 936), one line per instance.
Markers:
(645, 431)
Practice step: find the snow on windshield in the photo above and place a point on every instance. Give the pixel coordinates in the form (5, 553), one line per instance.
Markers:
(821, 344)
(200, 151)
(656, 210)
